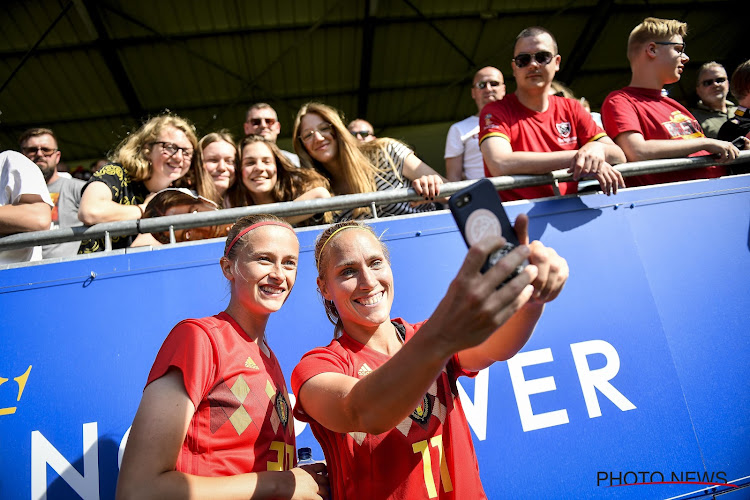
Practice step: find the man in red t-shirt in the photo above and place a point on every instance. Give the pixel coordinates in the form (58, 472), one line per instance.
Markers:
(532, 132)
(647, 124)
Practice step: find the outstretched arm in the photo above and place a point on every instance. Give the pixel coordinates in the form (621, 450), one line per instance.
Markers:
(470, 311)
(552, 273)
(637, 148)
(502, 160)
(158, 431)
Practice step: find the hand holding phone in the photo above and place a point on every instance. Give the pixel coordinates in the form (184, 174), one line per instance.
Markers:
(478, 212)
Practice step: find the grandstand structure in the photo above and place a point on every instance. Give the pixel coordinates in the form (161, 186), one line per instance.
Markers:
(93, 70)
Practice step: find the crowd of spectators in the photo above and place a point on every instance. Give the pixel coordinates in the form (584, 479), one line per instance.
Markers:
(539, 128)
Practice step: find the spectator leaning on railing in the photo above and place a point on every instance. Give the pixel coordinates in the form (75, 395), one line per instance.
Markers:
(147, 161)
(25, 204)
(648, 125)
(739, 124)
(323, 142)
(533, 132)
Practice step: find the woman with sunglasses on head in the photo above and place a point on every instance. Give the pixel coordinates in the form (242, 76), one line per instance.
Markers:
(214, 420)
(154, 157)
(381, 398)
(323, 142)
(268, 176)
(218, 157)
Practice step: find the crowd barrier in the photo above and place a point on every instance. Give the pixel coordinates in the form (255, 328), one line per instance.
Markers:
(185, 221)
(636, 374)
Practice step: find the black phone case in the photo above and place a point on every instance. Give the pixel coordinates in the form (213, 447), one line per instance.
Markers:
(482, 195)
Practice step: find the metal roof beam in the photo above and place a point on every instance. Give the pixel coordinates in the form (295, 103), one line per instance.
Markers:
(112, 60)
(34, 50)
(586, 40)
(365, 65)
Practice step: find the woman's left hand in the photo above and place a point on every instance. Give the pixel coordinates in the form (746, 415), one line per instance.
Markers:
(427, 186)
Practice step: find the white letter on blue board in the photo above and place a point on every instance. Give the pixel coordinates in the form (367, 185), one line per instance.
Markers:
(523, 388)
(598, 379)
(43, 453)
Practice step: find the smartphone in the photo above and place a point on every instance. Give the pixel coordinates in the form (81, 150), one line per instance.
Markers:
(478, 212)
(739, 143)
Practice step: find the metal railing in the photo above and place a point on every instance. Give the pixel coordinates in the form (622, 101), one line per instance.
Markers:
(170, 223)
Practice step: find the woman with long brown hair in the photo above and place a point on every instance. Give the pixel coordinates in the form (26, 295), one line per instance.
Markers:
(323, 142)
(268, 176)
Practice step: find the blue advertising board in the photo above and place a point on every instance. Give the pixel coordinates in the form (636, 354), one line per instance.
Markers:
(637, 373)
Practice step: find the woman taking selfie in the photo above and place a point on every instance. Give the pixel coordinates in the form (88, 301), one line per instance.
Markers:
(190, 438)
(381, 398)
(323, 142)
(268, 176)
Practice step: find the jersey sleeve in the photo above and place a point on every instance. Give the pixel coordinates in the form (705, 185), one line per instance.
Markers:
(492, 123)
(454, 146)
(189, 349)
(315, 362)
(619, 115)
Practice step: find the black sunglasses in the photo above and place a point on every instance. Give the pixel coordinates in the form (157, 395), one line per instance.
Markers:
(708, 83)
(524, 58)
(488, 83)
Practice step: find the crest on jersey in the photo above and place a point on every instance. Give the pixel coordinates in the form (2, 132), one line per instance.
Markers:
(423, 412)
(282, 408)
(563, 129)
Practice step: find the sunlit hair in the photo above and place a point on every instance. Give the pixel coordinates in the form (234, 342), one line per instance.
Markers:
(242, 223)
(359, 161)
(35, 132)
(132, 153)
(653, 29)
(260, 105)
(535, 31)
(173, 198)
(740, 84)
(323, 244)
(208, 139)
(561, 90)
(291, 181)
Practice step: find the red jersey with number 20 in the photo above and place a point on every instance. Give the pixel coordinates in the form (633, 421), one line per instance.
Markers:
(242, 420)
(428, 455)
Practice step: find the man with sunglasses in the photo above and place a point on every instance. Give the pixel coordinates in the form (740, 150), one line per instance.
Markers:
(712, 109)
(645, 122)
(261, 119)
(463, 159)
(40, 146)
(533, 132)
(362, 130)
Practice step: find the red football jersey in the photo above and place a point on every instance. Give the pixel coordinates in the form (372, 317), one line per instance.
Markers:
(564, 126)
(242, 421)
(654, 116)
(428, 455)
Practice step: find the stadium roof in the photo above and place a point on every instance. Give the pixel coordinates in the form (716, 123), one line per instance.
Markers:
(92, 70)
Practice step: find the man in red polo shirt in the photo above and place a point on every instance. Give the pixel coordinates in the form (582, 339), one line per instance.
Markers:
(646, 123)
(532, 132)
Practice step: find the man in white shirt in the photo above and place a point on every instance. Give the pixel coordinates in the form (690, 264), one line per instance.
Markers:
(463, 158)
(25, 204)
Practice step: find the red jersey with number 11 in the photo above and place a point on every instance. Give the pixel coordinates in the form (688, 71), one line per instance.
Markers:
(428, 455)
